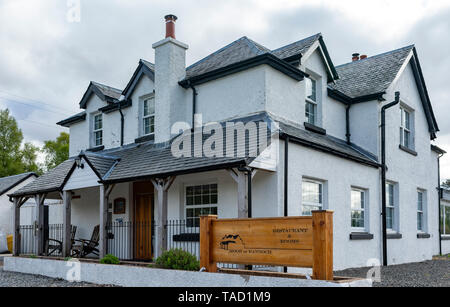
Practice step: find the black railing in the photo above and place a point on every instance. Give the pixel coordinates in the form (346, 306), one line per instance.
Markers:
(181, 236)
(27, 237)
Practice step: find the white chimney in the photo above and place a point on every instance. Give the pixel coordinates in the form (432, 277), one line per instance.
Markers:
(170, 68)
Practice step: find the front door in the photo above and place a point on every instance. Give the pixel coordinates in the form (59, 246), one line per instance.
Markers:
(143, 225)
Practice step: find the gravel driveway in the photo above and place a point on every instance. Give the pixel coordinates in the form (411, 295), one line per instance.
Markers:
(434, 273)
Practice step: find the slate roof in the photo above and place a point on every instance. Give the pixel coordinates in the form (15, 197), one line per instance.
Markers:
(372, 75)
(49, 182)
(297, 48)
(329, 144)
(238, 51)
(101, 163)
(108, 91)
(72, 119)
(7, 183)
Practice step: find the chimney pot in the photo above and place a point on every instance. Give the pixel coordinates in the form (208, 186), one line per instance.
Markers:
(355, 57)
(170, 25)
(363, 57)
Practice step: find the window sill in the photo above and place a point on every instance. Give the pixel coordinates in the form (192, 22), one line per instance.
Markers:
(408, 150)
(146, 138)
(314, 128)
(359, 236)
(445, 238)
(394, 236)
(95, 149)
(423, 236)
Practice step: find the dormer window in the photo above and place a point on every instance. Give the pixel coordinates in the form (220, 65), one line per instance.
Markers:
(311, 101)
(98, 130)
(148, 116)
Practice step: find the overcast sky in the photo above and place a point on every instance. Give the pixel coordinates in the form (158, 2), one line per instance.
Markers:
(47, 61)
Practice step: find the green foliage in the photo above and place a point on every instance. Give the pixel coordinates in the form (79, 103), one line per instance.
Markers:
(178, 259)
(110, 259)
(15, 159)
(56, 151)
(32, 256)
(68, 258)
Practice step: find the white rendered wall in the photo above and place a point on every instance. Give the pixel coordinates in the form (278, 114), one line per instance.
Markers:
(412, 173)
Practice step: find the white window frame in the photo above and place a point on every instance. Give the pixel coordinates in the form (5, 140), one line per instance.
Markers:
(363, 209)
(444, 205)
(148, 116)
(423, 212)
(321, 204)
(404, 128)
(186, 206)
(95, 131)
(392, 206)
(309, 101)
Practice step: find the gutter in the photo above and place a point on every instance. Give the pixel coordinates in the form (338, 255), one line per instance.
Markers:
(383, 173)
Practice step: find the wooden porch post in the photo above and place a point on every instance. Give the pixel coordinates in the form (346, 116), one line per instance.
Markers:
(16, 221)
(162, 187)
(105, 191)
(39, 224)
(67, 224)
(241, 179)
(18, 202)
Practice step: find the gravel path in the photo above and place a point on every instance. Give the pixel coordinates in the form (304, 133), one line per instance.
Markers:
(9, 279)
(434, 273)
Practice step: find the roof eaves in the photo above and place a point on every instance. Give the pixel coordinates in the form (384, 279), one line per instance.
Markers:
(18, 182)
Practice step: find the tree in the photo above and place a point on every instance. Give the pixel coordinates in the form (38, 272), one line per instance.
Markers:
(56, 151)
(13, 159)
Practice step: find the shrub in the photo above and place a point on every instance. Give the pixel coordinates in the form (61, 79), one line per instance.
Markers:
(32, 256)
(178, 259)
(110, 259)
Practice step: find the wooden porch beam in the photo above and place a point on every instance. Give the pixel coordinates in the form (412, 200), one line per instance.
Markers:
(105, 191)
(162, 187)
(16, 221)
(241, 178)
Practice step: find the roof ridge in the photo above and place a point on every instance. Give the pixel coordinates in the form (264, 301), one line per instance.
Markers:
(104, 85)
(291, 44)
(378, 55)
(255, 45)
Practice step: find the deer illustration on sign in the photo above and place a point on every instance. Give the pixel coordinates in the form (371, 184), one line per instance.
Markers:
(230, 239)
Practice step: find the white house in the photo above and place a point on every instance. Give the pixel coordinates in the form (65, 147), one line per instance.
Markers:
(9, 185)
(325, 150)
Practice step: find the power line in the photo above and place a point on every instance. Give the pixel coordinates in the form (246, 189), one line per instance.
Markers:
(38, 123)
(32, 105)
(35, 100)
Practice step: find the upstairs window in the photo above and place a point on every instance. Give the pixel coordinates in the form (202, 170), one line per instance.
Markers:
(148, 116)
(98, 130)
(311, 101)
(312, 196)
(406, 135)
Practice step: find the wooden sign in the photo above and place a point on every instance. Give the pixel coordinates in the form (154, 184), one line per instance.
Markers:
(285, 241)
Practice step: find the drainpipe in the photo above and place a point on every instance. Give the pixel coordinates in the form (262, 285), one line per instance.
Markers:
(249, 193)
(347, 123)
(439, 203)
(194, 104)
(383, 172)
(122, 123)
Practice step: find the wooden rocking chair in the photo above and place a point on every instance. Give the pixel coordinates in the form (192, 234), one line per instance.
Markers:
(86, 247)
(53, 245)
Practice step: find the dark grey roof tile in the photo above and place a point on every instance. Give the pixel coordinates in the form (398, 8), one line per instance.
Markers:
(7, 183)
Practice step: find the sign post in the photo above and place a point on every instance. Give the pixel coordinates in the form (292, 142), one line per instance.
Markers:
(285, 241)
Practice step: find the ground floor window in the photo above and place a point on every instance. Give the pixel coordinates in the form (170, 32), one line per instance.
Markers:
(420, 211)
(445, 219)
(312, 196)
(390, 206)
(200, 200)
(358, 209)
